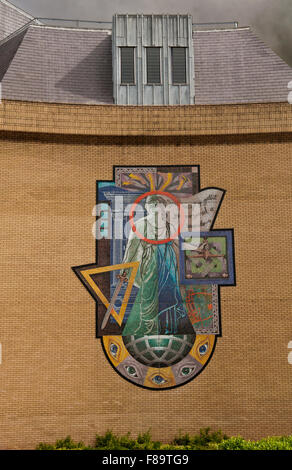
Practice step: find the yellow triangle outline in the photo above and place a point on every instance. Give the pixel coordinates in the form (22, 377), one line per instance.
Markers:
(87, 273)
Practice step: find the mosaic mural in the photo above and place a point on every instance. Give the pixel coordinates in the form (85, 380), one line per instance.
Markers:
(158, 270)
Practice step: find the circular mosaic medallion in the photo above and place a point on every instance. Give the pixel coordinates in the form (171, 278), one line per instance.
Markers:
(159, 351)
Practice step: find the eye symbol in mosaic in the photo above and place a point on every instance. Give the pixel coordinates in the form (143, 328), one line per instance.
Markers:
(159, 267)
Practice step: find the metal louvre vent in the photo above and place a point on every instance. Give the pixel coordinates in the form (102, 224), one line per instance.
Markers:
(153, 65)
(127, 66)
(179, 65)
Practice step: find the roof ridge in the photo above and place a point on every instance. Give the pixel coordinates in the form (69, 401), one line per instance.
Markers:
(20, 10)
(240, 28)
(68, 28)
(17, 32)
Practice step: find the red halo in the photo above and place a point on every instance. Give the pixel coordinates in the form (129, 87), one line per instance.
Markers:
(162, 193)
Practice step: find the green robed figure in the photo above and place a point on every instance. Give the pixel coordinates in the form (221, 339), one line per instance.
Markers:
(158, 308)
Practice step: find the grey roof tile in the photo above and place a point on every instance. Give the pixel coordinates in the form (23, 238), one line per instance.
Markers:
(11, 19)
(61, 65)
(8, 50)
(235, 66)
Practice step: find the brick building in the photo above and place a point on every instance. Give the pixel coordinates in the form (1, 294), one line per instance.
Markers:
(67, 117)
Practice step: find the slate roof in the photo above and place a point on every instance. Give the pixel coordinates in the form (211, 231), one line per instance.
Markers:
(66, 65)
(11, 18)
(9, 49)
(62, 66)
(235, 66)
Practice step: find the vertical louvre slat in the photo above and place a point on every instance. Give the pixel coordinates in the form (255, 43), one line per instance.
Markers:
(153, 65)
(179, 65)
(127, 65)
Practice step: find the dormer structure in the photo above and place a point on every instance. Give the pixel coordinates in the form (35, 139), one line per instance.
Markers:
(153, 60)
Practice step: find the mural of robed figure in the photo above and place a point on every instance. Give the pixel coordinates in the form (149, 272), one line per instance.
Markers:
(158, 308)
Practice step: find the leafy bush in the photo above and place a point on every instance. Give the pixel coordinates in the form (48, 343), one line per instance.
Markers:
(269, 443)
(63, 444)
(205, 440)
(110, 441)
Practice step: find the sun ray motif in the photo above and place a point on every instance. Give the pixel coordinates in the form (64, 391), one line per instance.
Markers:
(152, 185)
(167, 182)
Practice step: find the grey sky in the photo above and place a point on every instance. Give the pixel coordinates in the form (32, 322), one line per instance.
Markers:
(271, 19)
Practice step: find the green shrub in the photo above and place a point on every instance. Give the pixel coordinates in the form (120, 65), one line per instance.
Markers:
(269, 443)
(112, 442)
(63, 444)
(205, 440)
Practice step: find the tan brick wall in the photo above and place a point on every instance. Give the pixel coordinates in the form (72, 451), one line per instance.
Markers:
(149, 120)
(55, 379)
